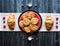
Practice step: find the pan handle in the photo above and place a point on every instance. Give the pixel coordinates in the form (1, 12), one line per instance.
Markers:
(30, 38)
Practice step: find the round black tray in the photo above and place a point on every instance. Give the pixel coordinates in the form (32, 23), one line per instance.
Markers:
(32, 11)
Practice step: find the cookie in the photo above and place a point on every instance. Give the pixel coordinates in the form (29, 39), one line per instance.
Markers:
(26, 21)
(21, 24)
(34, 20)
(33, 27)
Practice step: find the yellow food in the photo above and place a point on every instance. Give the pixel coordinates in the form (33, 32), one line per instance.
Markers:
(33, 27)
(24, 15)
(49, 22)
(21, 24)
(27, 29)
(11, 21)
(26, 21)
(30, 15)
(34, 20)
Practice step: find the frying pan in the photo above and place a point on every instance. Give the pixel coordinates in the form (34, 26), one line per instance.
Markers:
(39, 24)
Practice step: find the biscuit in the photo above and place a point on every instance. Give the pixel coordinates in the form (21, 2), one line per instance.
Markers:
(30, 15)
(33, 27)
(34, 20)
(24, 15)
(27, 29)
(26, 21)
(21, 24)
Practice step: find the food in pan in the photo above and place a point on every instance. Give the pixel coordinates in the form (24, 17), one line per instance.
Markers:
(49, 22)
(21, 24)
(28, 15)
(33, 27)
(11, 21)
(24, 15)
(34, 20)
(28, 22)
(27, 29)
